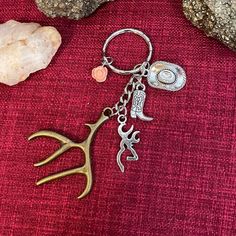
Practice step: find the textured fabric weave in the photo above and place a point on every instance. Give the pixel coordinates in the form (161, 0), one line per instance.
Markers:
(185, 180)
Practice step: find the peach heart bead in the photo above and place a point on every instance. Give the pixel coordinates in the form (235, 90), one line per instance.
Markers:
(100, 73)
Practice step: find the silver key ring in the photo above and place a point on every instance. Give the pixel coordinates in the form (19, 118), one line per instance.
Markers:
(108, 63)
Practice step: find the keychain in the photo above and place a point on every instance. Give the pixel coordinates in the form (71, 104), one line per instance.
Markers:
(160, 75)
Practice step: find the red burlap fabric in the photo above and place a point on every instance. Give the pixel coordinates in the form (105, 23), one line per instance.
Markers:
(184, 181)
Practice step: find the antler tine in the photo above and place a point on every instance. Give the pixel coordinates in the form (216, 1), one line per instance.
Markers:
(50, 134)
(66, 144)
(56, 154)
(57, 176)
(135, 140)
(121, 132)
(82, 170)
(129, 131)
(88, 184)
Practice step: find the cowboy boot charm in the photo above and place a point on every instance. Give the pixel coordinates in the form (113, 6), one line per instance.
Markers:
(139, 97)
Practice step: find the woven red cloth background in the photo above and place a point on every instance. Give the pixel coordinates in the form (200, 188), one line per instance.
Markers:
(184, 182)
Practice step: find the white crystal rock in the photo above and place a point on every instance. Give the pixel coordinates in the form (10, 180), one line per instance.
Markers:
(25, 48)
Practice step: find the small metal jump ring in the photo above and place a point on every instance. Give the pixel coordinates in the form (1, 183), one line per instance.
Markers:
(122, 119)
(108, 112)
(123, 31)
(141, 86)
(107, 60)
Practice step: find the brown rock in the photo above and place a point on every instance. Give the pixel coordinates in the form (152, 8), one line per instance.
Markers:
(72, 9)
(216, 17)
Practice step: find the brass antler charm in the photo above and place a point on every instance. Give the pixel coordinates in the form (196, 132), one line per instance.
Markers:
(67, 144)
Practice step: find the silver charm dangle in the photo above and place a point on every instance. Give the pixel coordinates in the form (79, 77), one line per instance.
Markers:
(126, 142)
(139, 97)
(167, 76)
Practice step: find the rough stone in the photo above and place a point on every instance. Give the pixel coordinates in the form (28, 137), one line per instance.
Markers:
(216, 17)
(72, 9)
(24, 49)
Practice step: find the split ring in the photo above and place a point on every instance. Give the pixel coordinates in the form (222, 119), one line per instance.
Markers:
(123, 31)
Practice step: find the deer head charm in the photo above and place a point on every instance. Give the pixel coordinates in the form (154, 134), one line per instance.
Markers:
(127, 143)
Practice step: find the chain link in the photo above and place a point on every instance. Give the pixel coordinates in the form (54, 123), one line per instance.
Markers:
(136, 80)
(120, 107)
